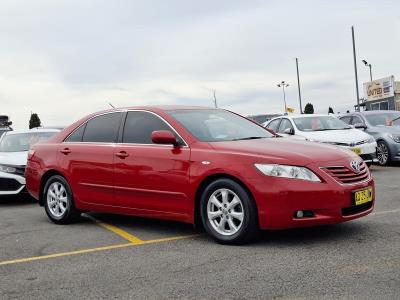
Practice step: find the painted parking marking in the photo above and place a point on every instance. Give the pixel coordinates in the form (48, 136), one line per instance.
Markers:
(97, 249)
(122, 233)
(385, 212)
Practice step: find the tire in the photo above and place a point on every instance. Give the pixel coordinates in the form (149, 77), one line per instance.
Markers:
(228, 213)
(58, 201)
(383, 153)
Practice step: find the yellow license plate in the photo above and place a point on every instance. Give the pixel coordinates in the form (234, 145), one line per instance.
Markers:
(356, 150)
(363, 196)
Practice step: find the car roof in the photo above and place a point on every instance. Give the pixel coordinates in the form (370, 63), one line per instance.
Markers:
(31, 131)
(303, 116)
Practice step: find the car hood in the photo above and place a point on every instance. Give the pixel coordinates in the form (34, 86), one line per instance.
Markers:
(284, 151)
(14, 158)
(347, 136)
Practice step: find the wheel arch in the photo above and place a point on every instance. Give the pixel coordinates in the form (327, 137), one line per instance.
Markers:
(43, 181)
(205, 182)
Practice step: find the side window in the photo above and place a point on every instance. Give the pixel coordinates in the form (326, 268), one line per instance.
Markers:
(77, 135)
(102, 129)
(274, 125)
(140, 124)
(346, 119)
(285, 124)
(356, 120)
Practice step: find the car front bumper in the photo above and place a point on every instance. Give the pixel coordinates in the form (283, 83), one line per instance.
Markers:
(278, 200)
(11, 184)
(394, 151)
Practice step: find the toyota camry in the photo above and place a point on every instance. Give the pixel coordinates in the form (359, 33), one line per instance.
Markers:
(208, 167)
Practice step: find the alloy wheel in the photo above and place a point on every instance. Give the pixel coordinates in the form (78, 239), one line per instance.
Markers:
(57, 199)
(225, 212)
(382, 153)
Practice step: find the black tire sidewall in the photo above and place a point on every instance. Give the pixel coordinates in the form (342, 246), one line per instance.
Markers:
(249, 227)
(71, 213)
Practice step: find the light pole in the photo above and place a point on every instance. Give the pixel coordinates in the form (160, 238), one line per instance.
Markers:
(370, 68)
(283, 85)
(355, 68)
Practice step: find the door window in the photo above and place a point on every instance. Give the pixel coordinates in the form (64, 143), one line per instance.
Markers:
(346, 119)
(77, 135)
(274, 124)
(140, 124)
(285, 124)
(356, 120)
(103, 128)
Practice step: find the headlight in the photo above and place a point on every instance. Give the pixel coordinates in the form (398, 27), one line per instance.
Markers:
(395, 137)
(7, 169)
(287, 172)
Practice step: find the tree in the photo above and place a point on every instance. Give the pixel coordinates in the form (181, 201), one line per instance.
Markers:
(309, 108)
(330, 110)
(34, 121)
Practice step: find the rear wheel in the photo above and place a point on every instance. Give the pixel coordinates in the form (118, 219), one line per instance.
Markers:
(228, 213)
(58, 201)
(383, 153)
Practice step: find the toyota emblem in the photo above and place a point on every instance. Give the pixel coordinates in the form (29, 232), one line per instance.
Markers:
(355, 166)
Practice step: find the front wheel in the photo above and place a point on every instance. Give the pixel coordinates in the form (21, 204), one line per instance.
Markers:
(228, 212)
(58, 201)
(383, 153)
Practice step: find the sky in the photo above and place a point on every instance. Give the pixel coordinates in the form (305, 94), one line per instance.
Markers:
(66, 59)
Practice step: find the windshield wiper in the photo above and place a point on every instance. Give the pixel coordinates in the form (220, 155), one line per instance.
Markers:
(395, 119)
(250, 138)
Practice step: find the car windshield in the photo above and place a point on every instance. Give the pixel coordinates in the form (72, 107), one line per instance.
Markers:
(384, 119)
(17, 142)
(213, 125)
(320, 123)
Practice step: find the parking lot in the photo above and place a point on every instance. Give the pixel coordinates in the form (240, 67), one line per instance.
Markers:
(107, 256)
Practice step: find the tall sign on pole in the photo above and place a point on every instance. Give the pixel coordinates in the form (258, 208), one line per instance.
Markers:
(355, 68)
(298, 84)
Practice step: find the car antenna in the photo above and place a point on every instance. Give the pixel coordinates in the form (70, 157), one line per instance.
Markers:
(111, 105)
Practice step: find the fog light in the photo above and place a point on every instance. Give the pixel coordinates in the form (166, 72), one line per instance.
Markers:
(299, 214)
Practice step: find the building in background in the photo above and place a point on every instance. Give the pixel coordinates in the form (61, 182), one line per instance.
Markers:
(382, 94)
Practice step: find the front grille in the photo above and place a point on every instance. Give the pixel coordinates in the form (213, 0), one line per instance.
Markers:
(9, 184)
(346, 175)
(352, 210)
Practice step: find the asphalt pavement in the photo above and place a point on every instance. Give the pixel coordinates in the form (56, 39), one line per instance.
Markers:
(109, 256)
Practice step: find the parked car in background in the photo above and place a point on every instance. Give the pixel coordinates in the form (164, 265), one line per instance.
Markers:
(326, 129)
(14, 147)
(196, 165)
(384, 126)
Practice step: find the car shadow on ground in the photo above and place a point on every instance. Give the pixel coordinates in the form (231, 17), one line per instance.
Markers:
(16, 200)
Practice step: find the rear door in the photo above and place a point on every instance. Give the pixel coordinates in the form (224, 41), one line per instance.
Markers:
(87, 155)
(151, 178)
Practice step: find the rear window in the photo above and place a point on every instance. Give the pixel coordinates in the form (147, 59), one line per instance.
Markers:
(103, 128)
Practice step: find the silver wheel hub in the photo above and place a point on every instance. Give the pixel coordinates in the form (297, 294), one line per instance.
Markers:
(57, 199)
(225, 212)
(383, 153)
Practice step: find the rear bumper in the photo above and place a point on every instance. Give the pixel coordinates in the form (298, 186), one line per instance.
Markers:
(11, 184)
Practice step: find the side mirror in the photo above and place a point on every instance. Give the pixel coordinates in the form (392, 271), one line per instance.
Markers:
(360, 126)
(289, 131)
(164, 137)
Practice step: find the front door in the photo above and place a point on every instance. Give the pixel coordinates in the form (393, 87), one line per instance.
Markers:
(152, 179)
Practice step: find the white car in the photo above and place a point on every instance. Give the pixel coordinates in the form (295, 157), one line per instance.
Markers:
(14, 147)
(326, 129)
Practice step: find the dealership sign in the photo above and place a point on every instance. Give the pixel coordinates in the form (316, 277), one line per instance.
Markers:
(379, 89)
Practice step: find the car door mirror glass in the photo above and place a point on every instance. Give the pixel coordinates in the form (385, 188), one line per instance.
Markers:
(289, 131)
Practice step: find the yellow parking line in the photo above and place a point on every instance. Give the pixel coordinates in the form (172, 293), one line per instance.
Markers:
(98, 249)
(122, 233)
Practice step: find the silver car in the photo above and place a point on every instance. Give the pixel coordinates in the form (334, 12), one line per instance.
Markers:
(384, 126)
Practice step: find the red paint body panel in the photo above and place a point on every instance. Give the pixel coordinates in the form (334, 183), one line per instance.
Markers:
(161, 181)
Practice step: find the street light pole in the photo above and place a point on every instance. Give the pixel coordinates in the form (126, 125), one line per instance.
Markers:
(355, 68)
(283, 85)
(370, 68)
(298, 84)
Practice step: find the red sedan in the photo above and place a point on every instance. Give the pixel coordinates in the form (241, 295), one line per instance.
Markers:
(204, 166)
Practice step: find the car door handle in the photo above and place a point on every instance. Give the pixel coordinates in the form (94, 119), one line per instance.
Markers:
(65, 151)
(122, 154)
